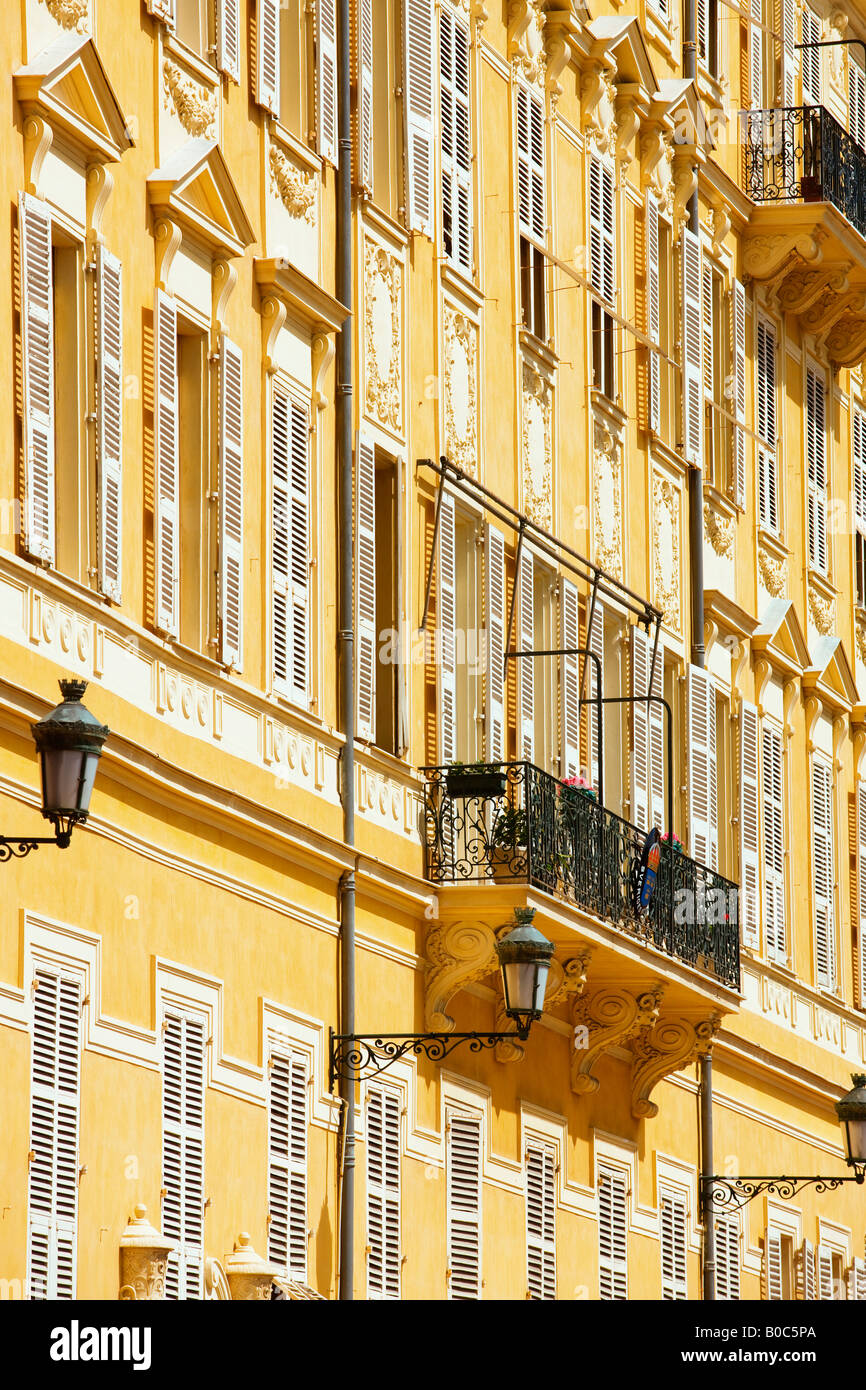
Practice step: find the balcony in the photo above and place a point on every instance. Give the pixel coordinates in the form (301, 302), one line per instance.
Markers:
(518, 824)
(807, 178)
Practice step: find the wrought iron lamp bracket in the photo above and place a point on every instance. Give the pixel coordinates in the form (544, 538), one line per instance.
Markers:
(365, 1055)
(731, 1194)
(19, 846)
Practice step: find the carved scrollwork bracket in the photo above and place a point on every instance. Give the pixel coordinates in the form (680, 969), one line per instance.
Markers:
(661, 1049)
(610, 1017)
(458, 953)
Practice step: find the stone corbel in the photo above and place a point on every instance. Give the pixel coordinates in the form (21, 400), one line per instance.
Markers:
(610, 1016)
(739, 663)
(596, 87)
(323, 349)
(479, 12)
(458, 953)
(223, 281)
(565, 978)
(653, 149)
(100, 182)
(721, 225)
(829, 308)
(685, 184)
(763, 671)
(799, 290)
(630, 110)
(790, 695)
(557, 46)
(859, 746)
(216, 1285)
(766, 254)
(273, 316)
(840, 733)
(661, 1049)
(711, 632)
(813, 707)
(846, 343)
(167, 236)
(37, 142)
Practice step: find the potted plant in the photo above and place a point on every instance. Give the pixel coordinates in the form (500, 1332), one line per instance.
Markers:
(509, 829)
(673, 841)
(475, 779)
(574, 787)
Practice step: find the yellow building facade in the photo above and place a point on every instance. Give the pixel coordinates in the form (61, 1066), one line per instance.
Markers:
(607, 323)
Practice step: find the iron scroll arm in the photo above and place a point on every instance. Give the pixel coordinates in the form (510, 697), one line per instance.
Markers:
(354, 1054)
(732, 1194)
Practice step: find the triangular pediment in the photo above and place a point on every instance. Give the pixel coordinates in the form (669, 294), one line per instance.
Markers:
(623, 38)
(780, 635)
(67, 84)
(677, 99)
(831, 673)
(194, 187)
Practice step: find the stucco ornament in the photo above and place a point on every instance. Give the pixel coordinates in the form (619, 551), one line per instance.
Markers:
(860, 637)
(662, 1048)
(461, 390)
(69, 14)
(526, 40)
(144, 1253)
(607, 500)
(194, 105)
(719, 530)
(598, 97)
(537, 473)
(297, 190)
(249, 1276)
(457, 954)
(666, 548)
(773, 572)
(657, 165)
(822, 610)
(610, 1016)
(383, 285)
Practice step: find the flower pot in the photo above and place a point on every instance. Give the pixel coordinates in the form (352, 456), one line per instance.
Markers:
(487, 782)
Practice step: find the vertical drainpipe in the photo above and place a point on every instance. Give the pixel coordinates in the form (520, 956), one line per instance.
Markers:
(347, 639)
(696, 563)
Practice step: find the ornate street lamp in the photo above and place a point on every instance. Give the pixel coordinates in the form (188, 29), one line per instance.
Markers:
(524, 961)
(69, 743)
(851, 1110)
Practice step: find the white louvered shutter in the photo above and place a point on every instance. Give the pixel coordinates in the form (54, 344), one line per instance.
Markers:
(165, 418)
(789, 54)
(446, 621)
(712, 777)
(861, 891)
(602, 239)
(540, 1222)
(773, 842)
(701, 706)
(326, 79)
(52, 1228)
(268, 55)
(231, 503)
(739, 435)
(727, 1258)
(162, 9)
(596, 645)
(365, 580)
(756, 57)
(287, 1163)
(418, 105)
(299, 574)
(109, 418)
(364, 87)
(183, 1082)
(708, 346)
(768, 501)
(640, 668)
(37, 342)
(824, 1262)
(773, 1262)
(856, 102)
(807, 1256)
(455, 129)
(526, 665)
(857, 1279)
(495, 605)
(822, 872)
(692, 340)
(749, 847)
(530, 165)
(816, 460)
(811, 59)
(673, 1217)
(290, 560)
(656, 728)
(464, 1206)
(570, 687)
(703, 30)
(383, 1193)
(653, 319)
(228, 20)
(612, 1235)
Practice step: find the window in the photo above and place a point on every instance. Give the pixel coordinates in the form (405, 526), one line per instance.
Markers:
(363, 59)
(52, 1215)
(666, 329)
(778, 1265)
(298, 75)
(756, 56)
(653, 309)
(673, 1237)
(531, 211)
(749, 842)
(228, 38)
(195, 536)
(727, 1257)
(191, 24)
(612, 1234)
(459, 656)
(703, 799)
(540, 1175)
(724, 785)
(464, 1205)
(823, 907)
(183, 1091)
(857, 1279)
(378, 552)
(816, 460)
(715, 425)
(455, 127)
(287, 1163)
(773, 840)
(418, 76)
(231, 503)
(661, 7)
(738, 335)
(830, 1268)
(290, 546)
(692, 339)
(708, 35)
(648, 804)
(860, 927)
(768, 488)
(859, 432)
(811, 59)
(383, 1193)
(856, 101)
(602, 256)
(538, 717)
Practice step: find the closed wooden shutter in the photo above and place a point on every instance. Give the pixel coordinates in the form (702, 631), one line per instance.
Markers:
(816, 460)
(653, 310)
(326, 80)
(418, 105)
(822, 873)
(595, 643)
(290, 546)
(727, 1258)
(570, 687)
(165, 418)
(824, 1262)
(739, 435)
(856, 102)
(229, 38)
(109, 417)
(363, 45)
(602, 238)
(287, 1163)
(773, 842)
(183, 1089)
(703, 30)
(756, 57)
(495, 604)
(268, 55)
(673, 1219)
(640, 668)
(365, 580)
(811, 59)
(789, 54)
(693, 402)
(540, 1176)
(860, 946)
(455, 127)
(383, 1193)
(708, 349)
(37, 345)
(768, 502)
(231, 502)
(656, 727)
(749, 848)
(773, 1264)
(612, 1234)
(808, 1289)
(530, 165)
(703, 813)
(464, 1205)
(52, 1227)
(526, 666)
(446, 621)
(857, 1279)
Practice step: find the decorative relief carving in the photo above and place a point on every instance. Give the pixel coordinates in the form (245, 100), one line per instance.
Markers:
(537, 473)
(719, 530)
(721, 225)
(773, 572)
(297, 190)
(766, 254)
(822, 610)
(860, 636)
(666, 546)
(144, 1253)
(194, 105)
(610, 1016)
(460, 389)
(69, 14)
(457, 954)
(383, 286)
(598, 96)
(664, 1048)
(607, 500)
(526, 40)
(627, 127)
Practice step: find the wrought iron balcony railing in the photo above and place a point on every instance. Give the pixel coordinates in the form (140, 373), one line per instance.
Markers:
(513, 822)
(803, 154)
